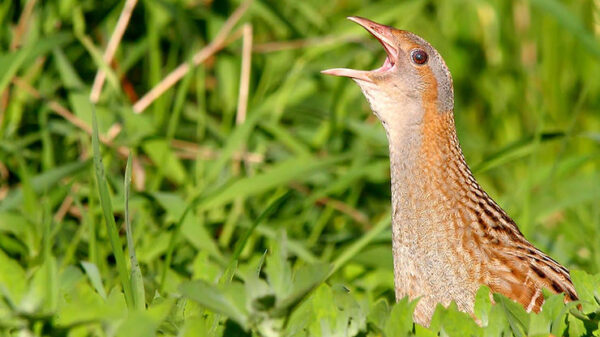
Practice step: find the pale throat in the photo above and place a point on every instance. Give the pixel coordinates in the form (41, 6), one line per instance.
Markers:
(426, 163)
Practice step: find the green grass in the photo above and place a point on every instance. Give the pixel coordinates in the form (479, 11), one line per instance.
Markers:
(277, 226)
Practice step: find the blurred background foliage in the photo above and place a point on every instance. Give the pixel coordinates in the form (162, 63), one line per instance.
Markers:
(527, 84)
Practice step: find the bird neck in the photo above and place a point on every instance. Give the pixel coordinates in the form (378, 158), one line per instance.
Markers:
(430, 181)
(429, 176)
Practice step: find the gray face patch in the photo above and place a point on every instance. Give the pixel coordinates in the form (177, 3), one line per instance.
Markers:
(442, 75)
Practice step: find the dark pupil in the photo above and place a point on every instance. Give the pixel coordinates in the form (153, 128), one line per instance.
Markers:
(419, 57)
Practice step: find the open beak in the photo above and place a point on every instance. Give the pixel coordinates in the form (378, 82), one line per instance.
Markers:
(384, 35)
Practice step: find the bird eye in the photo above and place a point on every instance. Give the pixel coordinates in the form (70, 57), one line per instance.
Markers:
(419, 56)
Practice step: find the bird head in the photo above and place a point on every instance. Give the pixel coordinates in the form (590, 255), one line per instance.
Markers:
(412, 80)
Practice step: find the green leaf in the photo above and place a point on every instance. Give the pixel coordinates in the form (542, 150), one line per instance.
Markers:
(360, 244)
(586, 286)
(10, 64)
(377, 256)
(44, 182)
(195, 327)
(137, 280)
(277, 269)
(483, 304)
(94, 275)
(45, 284)
(84, 305)
(260, 295)
(48, 43)
(241, 243)
(13, 282)
(576, 327)
(204, 268)
(379, 313)
(305, 279)
(498, 323)
(349, 178)
(323, 312)
(199, 237)
(279, 174)
(137, 324)
(234, 142)
(421, 331)
(69, 278)
(67, 72)
(161, 153)
(515, 314)
(227, 68)
(453, 322)
(216, 299)
(18, 225)
(400, 322)
(516, 150)
(106, 205)
(555, 311)
(354, 319)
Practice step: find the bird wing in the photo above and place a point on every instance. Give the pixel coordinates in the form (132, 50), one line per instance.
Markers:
(520, 271)
(514, 267)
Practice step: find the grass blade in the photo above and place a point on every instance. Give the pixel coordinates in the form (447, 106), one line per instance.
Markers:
(137, 280)
(570, 22)
(358, 245)
(43, 182)
(241, 243)
(94, 275)
(105, 203)
(10, 64)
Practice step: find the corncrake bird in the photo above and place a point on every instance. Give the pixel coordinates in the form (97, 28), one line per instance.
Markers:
(448, 236)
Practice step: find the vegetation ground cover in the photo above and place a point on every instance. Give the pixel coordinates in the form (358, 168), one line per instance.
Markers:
(251, 197)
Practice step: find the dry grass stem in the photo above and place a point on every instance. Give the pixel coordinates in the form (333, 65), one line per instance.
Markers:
(214, 46)
(138, 174)
(191, 150)
(65, 205)
(270, 47)
(19, 32)
(4, 175)
(113, 131)
(22, 25)
(111, 48)
(242, 107)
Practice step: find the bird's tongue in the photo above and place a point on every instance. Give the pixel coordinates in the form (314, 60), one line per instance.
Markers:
(381, 33)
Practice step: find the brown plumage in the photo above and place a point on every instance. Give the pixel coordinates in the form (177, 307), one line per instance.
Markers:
(449, 236)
